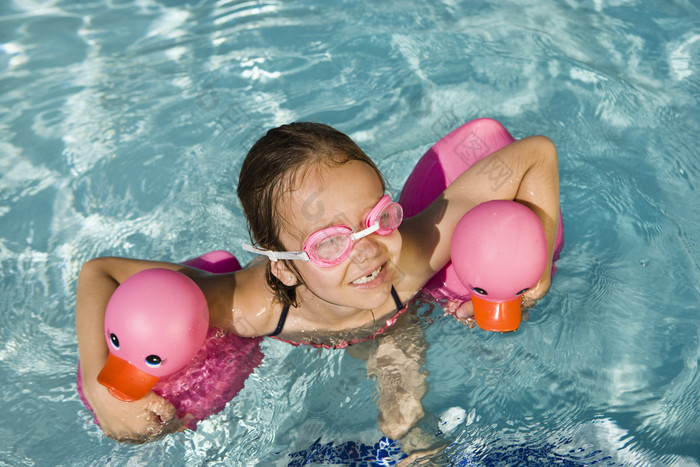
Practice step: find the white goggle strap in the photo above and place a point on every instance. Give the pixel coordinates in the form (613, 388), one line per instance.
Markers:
(363, 233)
(277, 255)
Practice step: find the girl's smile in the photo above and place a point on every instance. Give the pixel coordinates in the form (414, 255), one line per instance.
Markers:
(371, 280)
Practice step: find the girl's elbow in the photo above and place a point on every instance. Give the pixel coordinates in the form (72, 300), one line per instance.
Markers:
(92, 265)
(95, 269)
(545, 149)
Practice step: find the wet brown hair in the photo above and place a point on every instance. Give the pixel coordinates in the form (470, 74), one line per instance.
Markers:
(268, 171)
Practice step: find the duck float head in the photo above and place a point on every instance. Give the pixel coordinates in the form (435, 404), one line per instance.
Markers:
(499, 250)
(155, 322)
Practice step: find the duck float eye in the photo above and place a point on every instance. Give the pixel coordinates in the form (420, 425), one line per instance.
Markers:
(115, 341)
(523, 291)
(153, 360)
(480, 291)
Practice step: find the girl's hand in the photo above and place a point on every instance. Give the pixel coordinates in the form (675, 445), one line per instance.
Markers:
(146, 419)
(462, 311)
(537, 292)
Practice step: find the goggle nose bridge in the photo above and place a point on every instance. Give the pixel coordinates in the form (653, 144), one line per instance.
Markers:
(364, 233)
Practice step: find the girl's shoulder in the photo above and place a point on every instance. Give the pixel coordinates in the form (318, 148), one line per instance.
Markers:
(419, 241)
(245, 305)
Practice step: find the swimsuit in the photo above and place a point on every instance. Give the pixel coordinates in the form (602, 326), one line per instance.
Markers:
(389, 322)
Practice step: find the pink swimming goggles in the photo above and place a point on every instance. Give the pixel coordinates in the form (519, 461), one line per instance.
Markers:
(331, 245)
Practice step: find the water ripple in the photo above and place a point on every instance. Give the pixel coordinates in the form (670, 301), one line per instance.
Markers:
(123, 129)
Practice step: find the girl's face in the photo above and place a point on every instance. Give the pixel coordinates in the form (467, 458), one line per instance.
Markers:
(342, 195)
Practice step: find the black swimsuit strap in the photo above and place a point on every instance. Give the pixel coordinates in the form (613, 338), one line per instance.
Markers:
(285, 310)
(280, 323)
(396, 298)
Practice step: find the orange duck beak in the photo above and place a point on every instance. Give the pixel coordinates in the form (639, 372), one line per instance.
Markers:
(124, 381)
(502, 316)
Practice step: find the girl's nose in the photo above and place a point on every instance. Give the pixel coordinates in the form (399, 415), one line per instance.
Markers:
(364, 249)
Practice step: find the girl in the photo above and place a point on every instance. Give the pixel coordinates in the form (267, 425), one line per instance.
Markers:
(337, 261)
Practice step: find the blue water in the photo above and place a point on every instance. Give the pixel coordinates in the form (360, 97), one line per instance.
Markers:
(122, 129)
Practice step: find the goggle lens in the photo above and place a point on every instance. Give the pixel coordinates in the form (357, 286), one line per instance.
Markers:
(331, 247)
(389, 218)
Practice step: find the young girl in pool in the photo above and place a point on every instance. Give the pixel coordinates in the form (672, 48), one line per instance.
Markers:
(337, 263)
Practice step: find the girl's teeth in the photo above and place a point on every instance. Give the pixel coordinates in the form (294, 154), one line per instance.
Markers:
(364, 280)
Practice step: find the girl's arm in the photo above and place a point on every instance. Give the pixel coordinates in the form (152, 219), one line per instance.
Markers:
(526, 171)
(138, 421)
(396, 362)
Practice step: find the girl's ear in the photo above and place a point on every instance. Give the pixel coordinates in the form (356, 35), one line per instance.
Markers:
(283, 273)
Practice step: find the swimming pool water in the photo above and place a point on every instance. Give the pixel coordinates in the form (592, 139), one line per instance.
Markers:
(122, 129)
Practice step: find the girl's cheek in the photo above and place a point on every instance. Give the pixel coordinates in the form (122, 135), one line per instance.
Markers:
(323, 277)
(395, 244)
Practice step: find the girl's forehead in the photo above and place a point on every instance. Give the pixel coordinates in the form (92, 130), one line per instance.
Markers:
(325, 195)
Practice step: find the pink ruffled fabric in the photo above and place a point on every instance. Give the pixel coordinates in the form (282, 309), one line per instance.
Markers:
(215, 376)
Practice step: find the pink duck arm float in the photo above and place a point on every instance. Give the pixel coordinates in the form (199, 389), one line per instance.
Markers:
(502, 251)
(434, 172)
(155, 322)
(159, 339)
